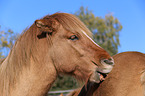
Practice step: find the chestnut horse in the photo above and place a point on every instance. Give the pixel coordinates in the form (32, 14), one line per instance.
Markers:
(53, 45)
(126, 79)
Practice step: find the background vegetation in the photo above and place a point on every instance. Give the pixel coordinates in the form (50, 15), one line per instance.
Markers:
(105, 33)
(7, 39)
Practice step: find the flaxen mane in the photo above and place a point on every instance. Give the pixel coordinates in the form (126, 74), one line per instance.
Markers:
(70, 23)
(10, 72)
(1, 60)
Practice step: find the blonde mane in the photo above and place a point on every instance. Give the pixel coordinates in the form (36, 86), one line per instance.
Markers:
(19, 57)
(70, 23)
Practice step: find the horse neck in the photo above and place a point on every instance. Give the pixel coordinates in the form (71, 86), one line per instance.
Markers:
(35, 81)
(24, 72)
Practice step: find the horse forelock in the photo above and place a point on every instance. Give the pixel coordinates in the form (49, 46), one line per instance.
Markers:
(69, 22)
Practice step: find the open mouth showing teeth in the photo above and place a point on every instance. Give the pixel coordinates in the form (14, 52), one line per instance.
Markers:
(102, 75)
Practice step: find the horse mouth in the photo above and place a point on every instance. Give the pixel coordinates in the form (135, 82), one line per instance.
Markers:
(102, 76)
(99, 75)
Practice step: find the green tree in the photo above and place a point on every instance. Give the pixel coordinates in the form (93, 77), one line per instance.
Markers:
(106, 30)
(64, 83)
(7, 39)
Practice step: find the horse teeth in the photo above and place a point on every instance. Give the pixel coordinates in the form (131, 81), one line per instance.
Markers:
(101, 77)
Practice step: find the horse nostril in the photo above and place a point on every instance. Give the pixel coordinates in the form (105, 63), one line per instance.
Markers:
(108, 61)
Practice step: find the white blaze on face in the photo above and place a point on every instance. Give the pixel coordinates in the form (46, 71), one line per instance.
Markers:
(90, 38)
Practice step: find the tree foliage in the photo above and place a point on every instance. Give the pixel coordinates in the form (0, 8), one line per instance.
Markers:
(7, 39)
(64, 83)
(106, 30)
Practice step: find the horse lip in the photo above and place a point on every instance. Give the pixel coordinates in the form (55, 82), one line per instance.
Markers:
(102, 75)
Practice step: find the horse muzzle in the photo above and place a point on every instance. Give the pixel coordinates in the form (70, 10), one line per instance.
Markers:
(102, 71)
(107, 65)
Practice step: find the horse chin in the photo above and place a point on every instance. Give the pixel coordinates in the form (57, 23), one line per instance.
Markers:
(97, 77)
(101, 72)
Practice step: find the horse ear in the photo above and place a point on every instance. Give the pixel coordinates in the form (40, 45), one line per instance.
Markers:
(39, 23)
(46, 28)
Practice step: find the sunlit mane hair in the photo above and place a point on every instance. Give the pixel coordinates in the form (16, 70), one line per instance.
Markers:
(70, 22)
(23, 50)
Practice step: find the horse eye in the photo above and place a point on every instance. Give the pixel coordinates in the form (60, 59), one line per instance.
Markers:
(73, 37)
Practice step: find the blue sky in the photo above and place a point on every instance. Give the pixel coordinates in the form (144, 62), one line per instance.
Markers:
(18, 14)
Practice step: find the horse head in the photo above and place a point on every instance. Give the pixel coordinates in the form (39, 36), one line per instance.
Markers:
(71, 49)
